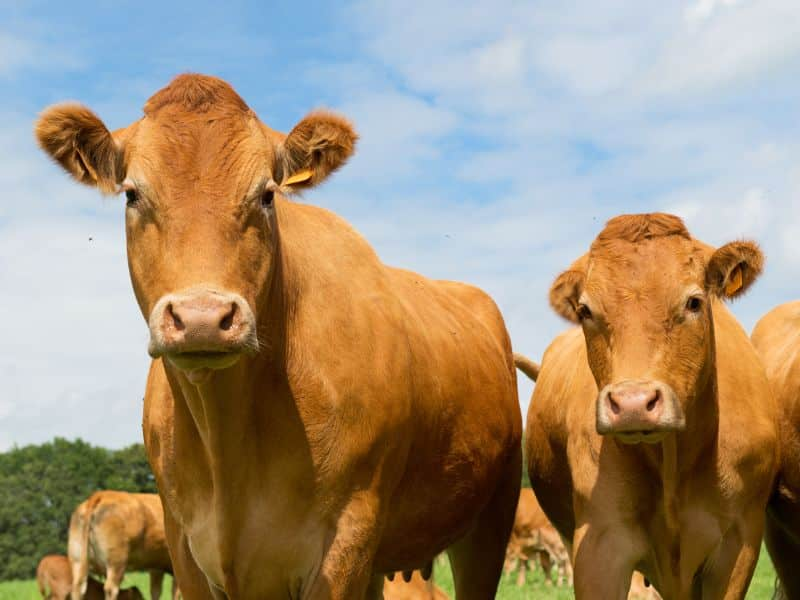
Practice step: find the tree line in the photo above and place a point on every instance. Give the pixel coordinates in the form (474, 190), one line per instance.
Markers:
(41, 485)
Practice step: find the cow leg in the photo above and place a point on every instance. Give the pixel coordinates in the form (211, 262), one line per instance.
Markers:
(523, 564)
(784, 548)
(156, 582)
(186, 574)
(114, 575)
(477, 558)
(608, 578)
(346, 569)
(734, 560)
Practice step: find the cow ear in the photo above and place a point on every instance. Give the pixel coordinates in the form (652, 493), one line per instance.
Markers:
(79, 141)
(317, 146)
(567, 289)
(733, 268)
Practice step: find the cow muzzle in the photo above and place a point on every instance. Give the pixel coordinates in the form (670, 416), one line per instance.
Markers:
(639, 411)
(201, 330)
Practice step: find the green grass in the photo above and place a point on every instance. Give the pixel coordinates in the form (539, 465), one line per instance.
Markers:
(760, 589)
(26, 590)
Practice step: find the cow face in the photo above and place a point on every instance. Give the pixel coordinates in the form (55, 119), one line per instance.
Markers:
(203, 180)
(643, 296)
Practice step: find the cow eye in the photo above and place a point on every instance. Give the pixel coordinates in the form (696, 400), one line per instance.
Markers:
(583, 312)
(267, 198)
(694, 304)
(131, 197)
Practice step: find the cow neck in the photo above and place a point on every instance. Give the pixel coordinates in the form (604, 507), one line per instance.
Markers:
(232, 411)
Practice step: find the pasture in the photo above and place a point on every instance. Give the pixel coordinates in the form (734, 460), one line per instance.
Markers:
(760, 589)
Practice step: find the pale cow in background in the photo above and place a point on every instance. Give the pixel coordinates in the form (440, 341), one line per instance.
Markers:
(113, 532)
(54, 580)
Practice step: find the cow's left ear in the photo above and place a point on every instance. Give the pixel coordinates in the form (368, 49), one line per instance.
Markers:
(317, 146)
(733, 268)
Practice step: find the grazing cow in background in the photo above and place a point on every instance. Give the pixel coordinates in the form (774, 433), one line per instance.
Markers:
(652, 434)
(777, 340)
(416, 588)
(54, 580)
(315, 419)
(112, 532)
(54, 577)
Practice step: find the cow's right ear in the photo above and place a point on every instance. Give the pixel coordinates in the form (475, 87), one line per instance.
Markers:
(79, 141)
(567, 289)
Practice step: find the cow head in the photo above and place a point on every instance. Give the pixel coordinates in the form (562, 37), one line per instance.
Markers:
(201, 176)
(643, 296)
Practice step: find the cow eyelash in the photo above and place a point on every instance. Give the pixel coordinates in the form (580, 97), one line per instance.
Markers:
(694, 304)
(267, 198)
(131, 197)
(583, 312)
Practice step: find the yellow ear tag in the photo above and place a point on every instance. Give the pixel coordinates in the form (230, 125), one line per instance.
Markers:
(299, 177)
(734, 282)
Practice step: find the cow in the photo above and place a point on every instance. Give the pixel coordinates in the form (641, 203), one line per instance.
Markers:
(534, 538)
(111, 532)
(54, 580)
(777, 340)
(416, 588)
(54, 577)
(651, 436)
(314, 418)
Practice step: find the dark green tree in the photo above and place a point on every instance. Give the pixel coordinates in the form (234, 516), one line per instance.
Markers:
(41, 485)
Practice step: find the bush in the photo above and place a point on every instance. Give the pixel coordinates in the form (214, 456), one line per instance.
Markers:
(41, 485)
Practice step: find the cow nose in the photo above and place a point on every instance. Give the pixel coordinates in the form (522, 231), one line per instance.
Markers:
(206, 317)
(639, 400)
(202, 321)
(639, 407)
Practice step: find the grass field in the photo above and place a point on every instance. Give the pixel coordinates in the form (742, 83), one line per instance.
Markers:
(760, 589)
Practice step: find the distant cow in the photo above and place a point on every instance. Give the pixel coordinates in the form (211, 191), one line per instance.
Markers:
(534, 538)
(315, 418)
(112, 532)
(777, 339)
(652, 433)
(54, 580)
(416, 588)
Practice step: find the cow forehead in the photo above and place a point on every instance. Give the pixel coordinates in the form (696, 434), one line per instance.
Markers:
(659, 269)
(174, 154)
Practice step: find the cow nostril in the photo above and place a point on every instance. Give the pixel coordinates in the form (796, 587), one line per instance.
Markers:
(227, 321)
(654, 401)
(614, 406)
(176, 320)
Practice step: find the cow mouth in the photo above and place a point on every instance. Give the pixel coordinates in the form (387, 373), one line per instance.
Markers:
(649, 436)
(201, 360)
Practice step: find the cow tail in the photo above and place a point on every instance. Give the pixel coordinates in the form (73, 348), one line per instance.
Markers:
(82, 577)
(527, 366)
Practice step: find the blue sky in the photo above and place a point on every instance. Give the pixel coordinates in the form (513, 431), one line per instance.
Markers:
(496, 139)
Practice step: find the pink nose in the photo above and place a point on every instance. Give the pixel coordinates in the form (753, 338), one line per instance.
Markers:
(202, 321)
(631, 406)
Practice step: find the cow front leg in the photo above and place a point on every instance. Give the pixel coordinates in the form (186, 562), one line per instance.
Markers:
(606, 578)
(345, 572)
(733, 562)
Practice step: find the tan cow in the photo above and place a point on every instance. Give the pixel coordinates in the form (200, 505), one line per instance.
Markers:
(112, 532)
(651, 435)
(54, 580)
(416, 588)
(777, 339)
(54, 577)
(315, 419)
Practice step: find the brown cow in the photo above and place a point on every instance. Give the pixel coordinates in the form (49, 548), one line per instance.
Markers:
(54, 577)
(416, 588)
(652, 433)
(315, 419)
(777, 339)
(112, 532)
(54, 580)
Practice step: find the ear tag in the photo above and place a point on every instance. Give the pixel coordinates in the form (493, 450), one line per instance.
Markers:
(299, 177)
(734, 281)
